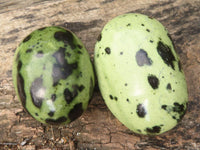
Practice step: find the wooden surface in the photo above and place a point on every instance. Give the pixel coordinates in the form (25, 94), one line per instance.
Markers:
(97, 128)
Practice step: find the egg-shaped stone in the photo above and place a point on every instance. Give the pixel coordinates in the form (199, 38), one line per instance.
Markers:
(53, 75)
(140, 75)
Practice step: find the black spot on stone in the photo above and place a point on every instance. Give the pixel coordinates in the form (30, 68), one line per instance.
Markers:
(115, 98)
(147, 30)
(153, 81)
(151, 41)
(20, 88)
(61, 70)
(68, 54)
(27, 38)
(36, 114)
(154, 129)
(37, 92)
(74, 65)
(80, 74)
(126, 84)
(139, 130)
(107, 50)
(53, 97)
(20, 85)
(69, 96)
(56, 121)
(39, 54)
(79, 46)
(66, 37)
(166, 54)
(128, 24)
(76, 112)
(141, 110)
(111, 97)
(99, 37)
(177, 111)
(51, 113)
(179, 66)
(121, 53)
(179, 108)
(142, 24)
(29, 50)
(142, 58)
(164, 107)
(19, 66)
(80, 88)
(127, 100)
(169, 86)
(79, 52)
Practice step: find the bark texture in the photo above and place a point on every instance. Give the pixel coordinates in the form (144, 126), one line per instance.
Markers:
(97, 128)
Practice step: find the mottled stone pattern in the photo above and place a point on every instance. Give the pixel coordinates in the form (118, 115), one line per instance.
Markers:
(97, 127)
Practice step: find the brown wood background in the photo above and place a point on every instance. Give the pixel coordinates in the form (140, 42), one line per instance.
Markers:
(97, 128)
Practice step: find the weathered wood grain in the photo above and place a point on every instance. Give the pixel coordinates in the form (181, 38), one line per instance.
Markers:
(97, 128)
